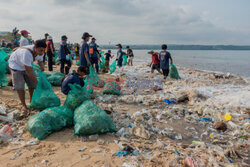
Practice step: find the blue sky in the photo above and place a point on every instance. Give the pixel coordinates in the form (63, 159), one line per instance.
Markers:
(132, 21)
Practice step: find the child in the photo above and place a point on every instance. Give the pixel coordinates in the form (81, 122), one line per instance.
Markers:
(107, 59)
(73, 78)
(164, 56)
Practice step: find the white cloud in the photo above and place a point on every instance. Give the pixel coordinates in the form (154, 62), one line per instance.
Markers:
(126, 21)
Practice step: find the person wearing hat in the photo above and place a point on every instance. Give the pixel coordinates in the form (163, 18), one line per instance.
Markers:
(22, 72)
(64, 54)
(50, 52)
(130, 55)
(24, 38)
(119, 55)
(94, 54)
(155, 63)
(84, 51)
(107, 59)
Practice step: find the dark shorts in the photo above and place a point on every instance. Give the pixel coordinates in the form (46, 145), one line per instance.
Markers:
(19, 78)
(156, 66)
(119, 64)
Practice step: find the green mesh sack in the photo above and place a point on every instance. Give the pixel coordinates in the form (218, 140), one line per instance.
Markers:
(124, 60)
(89, 119)
(43, 96)
(173, 72)
(77, 62)
(92, 77)
(50, 120)
(88, 86)
(112, 67)
(76, 96)
(55, 78)
(102, 63)
(3, 67)
(36, 68)
(112, 88)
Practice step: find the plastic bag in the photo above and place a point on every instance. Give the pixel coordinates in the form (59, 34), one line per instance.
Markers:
(173, 72)
(43, 96)
(36, 68)
(3, 66)
(92, 77)
(76, 96)
(55, 78)
(124, 60)
(89, 119)
(52, 119)
(112, 67)
(77, 62)
(102, 63)
(112, 88)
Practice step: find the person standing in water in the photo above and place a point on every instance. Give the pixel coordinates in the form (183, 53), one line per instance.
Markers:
(164, 56)
(119, 55)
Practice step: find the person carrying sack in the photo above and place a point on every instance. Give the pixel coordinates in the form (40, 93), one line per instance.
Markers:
(22, 72)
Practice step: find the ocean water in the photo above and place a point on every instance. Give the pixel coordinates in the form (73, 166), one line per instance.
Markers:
(234, 62)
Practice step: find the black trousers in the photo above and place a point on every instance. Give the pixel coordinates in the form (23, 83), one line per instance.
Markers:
(94, 60)
(63, 62)
(50, 61)
(165, 72)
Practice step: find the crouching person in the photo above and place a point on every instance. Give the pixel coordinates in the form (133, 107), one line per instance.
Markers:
(20, 64)
(73, 78)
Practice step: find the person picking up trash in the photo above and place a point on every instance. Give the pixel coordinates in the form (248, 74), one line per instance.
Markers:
(20, 63)
(155, 64)
(164, 56)
(73, 78)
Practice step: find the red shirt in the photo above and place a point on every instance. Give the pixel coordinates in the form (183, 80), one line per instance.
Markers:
(155, 58)
(48, 45)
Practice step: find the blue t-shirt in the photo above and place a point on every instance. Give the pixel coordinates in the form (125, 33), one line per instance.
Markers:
(84, 48)
(94, 46)
(72, 78)
(164, 57)
(61, 52)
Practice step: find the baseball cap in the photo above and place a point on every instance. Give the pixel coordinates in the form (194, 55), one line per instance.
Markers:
(86, 35)
(109, 51)
(24, 32)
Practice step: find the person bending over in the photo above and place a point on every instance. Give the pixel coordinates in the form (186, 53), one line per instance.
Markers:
(73, 78)
(155, 64)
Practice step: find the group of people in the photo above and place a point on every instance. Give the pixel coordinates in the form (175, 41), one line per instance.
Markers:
(22, 58)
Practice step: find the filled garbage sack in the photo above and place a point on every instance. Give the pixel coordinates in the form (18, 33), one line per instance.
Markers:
(43, 96)
(55, 78)
(89, 119)
(112, 67)
(102, 64)
(173, 72)
(36, 68)
(112, 88)
(88, 86)
(76, 96)
(49, 120)
(3, 67)
(124, 60)
(100, 84)
(92, 77)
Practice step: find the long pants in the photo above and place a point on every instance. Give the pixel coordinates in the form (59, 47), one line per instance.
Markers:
(63, 62)
(165, 72)
(94, 60)
(106, 66)
(50, 61)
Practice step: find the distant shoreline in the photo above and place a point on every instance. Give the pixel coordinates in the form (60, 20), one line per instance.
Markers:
(182, 47)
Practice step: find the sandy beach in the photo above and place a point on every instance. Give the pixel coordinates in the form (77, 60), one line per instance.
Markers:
(161, 134)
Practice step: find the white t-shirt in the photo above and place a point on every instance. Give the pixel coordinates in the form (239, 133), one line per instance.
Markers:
(22, 57)
(24, 41)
